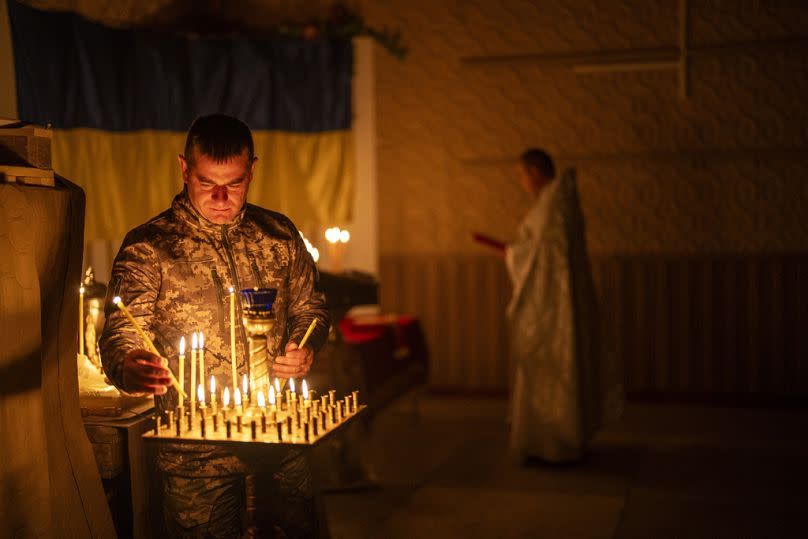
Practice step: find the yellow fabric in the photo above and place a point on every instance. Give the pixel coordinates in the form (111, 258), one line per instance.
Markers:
(131, 177)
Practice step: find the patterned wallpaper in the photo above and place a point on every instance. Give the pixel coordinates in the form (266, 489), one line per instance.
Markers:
(722, 171)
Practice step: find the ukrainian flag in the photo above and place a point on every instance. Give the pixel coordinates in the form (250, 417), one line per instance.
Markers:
(121, 100)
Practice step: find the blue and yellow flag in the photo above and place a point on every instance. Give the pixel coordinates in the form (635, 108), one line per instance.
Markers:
(120, 102)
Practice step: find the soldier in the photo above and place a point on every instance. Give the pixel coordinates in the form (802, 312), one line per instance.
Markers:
(174, 273)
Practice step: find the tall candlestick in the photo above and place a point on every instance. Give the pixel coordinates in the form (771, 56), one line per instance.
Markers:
(149, 344)
(233, 336)
(182, 369)
(201, 357)
(194, 347)
(81, 321)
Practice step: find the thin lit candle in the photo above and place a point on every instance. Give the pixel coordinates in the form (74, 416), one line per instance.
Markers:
(291, 396)
(213, 393)
(194, 347)
(201, 358)
(237, 401)
(233, 336)
(81, 321)
(272, 406)
(305, 338)
(225, 402)
(182, 369)
(149, 344)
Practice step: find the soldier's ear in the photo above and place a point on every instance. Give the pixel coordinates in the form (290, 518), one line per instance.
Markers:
(183, 167)
(252, 166)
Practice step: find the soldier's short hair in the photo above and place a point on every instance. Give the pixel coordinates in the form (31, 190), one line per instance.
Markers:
(534, 157)
(219, 137)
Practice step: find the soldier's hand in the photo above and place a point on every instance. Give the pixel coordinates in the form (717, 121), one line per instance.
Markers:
(145, 372)
(295, 363)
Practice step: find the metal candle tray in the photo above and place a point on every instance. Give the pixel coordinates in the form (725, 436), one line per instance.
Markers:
(297, 439)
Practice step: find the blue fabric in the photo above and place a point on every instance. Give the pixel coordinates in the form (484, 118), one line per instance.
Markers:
(75, 73)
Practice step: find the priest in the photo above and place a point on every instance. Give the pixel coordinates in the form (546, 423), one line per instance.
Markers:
(562, 385)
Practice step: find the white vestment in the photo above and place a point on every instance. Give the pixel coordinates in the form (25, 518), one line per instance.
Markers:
(563, 385)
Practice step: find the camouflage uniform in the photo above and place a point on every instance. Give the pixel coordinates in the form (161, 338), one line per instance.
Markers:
(174, 274)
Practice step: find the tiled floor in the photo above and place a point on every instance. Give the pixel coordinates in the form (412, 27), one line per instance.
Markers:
(663, 471)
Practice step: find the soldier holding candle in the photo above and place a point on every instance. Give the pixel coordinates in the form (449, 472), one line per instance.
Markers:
(174, 274)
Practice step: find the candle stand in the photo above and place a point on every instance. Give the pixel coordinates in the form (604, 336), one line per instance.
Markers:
(290, 427)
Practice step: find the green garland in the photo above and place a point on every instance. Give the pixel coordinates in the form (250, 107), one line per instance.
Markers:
(343, 23)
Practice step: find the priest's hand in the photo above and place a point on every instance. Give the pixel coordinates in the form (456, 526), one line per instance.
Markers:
(145, 372)
(295, 363)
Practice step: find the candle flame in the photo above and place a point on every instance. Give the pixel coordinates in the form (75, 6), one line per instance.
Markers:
(194, 341)
(344, 236)
(305, 390)
(182, 345)
(212, 385)
(244, 384)
(200, 392)
(226, 397)
(271, 395)
(277, 385)
(231, 290)
(116, 300)
(81, 290)
(292, 385)
(261, 402)
(201, 340)
(237, 397)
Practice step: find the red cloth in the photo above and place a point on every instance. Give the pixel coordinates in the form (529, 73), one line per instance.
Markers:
(368, 328)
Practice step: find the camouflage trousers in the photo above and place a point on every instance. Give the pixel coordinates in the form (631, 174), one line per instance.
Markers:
(272, 500)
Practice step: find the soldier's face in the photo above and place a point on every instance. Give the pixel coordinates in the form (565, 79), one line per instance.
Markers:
(217, 190)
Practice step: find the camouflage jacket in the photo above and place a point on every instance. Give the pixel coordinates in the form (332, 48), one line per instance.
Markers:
(174, 275)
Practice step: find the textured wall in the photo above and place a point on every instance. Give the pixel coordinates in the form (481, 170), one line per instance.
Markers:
(654, 169)
(721, 172)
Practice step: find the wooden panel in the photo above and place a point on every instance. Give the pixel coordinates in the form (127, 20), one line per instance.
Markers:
(728, 327)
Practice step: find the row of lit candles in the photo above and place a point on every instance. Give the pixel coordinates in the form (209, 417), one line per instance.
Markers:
(198, 358)
(261, 402)
(312, 417)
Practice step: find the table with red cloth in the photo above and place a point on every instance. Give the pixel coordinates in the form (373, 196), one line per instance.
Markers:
(392, 353)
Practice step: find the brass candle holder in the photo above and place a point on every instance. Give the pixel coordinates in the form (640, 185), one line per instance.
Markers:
(259, 321)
